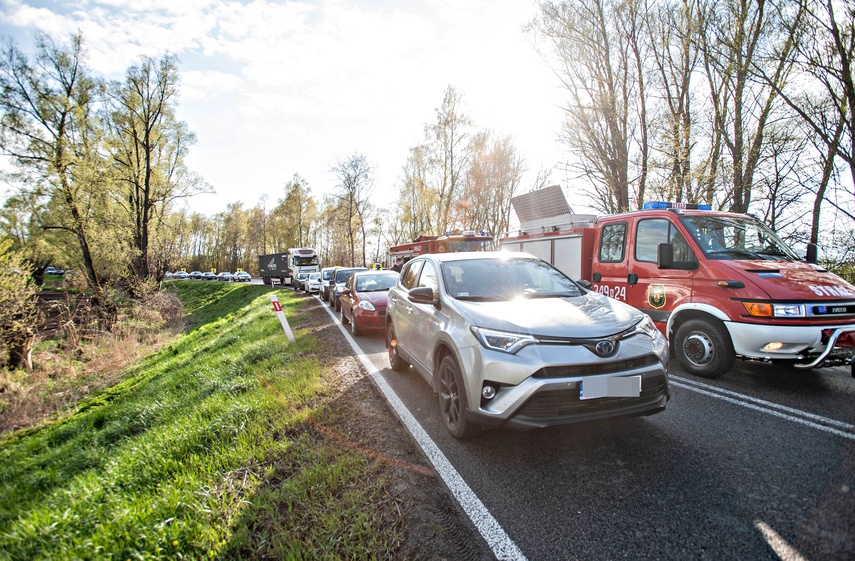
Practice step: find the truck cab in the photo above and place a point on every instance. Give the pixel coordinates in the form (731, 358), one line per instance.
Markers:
(723, 285)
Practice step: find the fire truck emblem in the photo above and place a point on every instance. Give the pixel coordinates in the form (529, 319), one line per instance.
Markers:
(656, 295)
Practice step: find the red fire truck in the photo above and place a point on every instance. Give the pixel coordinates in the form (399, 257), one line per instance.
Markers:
(718, 285)
(451, 242)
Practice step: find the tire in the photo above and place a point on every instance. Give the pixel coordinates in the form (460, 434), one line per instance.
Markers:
(354, 327)
(452, 400)
(703, 348)
(397, 363)
(344, 320)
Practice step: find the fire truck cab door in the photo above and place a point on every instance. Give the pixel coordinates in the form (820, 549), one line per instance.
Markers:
(626, 265)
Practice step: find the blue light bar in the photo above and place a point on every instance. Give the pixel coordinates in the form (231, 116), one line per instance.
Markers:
(661, 205)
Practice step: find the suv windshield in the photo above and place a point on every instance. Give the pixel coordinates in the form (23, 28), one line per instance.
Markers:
(505, 279)
(729, 237)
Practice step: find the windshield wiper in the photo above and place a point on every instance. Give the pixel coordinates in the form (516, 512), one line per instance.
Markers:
(736, 252)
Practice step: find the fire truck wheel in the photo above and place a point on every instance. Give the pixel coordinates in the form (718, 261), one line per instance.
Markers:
(397, 363)
(703, 348)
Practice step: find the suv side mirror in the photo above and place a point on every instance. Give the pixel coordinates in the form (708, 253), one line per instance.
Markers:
(422, 295)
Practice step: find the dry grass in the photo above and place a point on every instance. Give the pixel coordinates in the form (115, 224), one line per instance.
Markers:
(82, 357)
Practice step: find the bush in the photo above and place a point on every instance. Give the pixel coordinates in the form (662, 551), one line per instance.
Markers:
(18, 309)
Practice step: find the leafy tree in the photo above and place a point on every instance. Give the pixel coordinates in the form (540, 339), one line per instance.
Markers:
(50, 130)
(148, 146)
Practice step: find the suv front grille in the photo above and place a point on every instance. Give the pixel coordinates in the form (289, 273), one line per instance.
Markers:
(575, 370)
(565, 404)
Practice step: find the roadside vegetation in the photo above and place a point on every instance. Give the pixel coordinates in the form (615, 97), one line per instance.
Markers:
(216, 446)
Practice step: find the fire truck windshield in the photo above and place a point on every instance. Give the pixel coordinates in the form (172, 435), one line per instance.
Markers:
(738, 238)
(455, 245)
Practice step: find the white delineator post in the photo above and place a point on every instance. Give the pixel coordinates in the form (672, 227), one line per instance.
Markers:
(282, 319)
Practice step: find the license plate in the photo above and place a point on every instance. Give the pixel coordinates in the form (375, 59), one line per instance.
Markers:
(610, 386)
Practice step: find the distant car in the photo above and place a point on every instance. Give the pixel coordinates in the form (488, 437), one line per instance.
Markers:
(313, 283)
(196, 275)
(297, 282)
(224, 276)
(208, 275)
(180, 275)
(505, 339)
(241, 276)
(53, 271)
(167, 275)
(341, 276)
(363, 300)
(327, 276)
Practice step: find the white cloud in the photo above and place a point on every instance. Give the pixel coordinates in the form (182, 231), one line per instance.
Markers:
(272, 88)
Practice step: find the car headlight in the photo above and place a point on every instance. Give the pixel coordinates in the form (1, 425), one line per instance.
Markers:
(366, 305)
(646, 327)
(502, 340)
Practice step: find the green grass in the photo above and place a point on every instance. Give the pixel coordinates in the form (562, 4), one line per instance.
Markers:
(207, 449)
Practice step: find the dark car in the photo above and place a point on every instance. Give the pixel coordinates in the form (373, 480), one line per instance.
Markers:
(327, 277)
(341, 276)
(208, 275)
(196, 275)
(363, 300)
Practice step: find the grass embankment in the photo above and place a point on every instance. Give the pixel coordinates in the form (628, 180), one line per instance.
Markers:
(207, 449)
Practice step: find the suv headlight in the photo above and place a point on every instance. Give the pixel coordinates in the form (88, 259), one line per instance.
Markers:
(646, 327)
(502, 340)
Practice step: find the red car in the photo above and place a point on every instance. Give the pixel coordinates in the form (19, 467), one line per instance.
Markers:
(363, 300)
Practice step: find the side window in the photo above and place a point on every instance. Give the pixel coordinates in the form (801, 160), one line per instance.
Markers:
(612, 243)
(655, 231)
(428, 278)
(410, 273)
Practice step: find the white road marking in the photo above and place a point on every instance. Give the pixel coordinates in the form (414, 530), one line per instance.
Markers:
(496, 537)
(795, 415)
(779, 545)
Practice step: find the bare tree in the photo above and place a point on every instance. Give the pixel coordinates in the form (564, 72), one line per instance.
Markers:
(355, 184)
(671, 26)
(447, 145)
(600, 58)
(735, 38)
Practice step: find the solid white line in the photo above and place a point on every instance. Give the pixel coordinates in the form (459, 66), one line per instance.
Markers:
(496, 537)
(819, 418)
(766, 410)
(779, 545)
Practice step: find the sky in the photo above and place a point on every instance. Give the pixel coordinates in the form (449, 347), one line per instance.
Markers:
(272, 89)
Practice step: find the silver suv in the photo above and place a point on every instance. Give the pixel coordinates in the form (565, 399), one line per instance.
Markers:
(505, 339)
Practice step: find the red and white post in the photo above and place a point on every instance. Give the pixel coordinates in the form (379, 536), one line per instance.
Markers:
(277, 307)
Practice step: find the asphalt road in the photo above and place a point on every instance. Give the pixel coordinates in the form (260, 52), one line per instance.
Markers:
(759, 464)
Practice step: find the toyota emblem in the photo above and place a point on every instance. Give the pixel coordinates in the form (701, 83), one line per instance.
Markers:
(604, 348)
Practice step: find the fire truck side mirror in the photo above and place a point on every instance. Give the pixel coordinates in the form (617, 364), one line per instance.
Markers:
(665, 256)
(811, 254)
